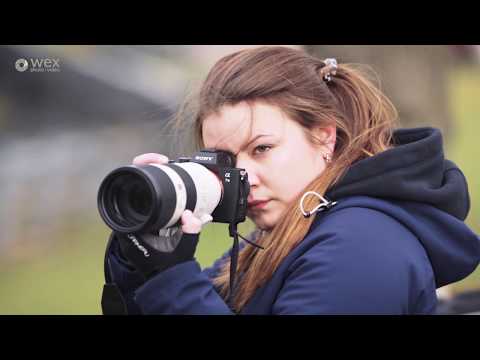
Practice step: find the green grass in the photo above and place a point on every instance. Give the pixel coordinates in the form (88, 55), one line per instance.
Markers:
(66, 276)
(60, 280)
(68, 279)
(464, 149)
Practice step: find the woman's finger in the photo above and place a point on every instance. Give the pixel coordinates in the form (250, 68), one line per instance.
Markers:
(190, 223)
(150, 158)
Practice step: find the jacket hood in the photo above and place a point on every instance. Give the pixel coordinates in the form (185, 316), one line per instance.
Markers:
(414, 170)
(425, 191)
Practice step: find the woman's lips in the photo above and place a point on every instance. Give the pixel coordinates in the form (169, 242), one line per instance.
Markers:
(257, 204)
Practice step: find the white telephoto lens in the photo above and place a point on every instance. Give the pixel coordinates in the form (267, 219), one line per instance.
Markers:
(207, 185)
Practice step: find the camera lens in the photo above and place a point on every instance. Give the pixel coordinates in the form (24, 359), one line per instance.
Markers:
(130, 197)
(145, 198)
(139, 199)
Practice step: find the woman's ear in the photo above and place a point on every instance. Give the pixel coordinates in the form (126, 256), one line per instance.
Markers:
(327, 136)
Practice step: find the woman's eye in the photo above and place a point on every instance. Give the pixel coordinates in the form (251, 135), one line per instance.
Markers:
(261, 149)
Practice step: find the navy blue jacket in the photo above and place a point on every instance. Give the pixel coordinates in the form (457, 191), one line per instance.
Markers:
(395, 235)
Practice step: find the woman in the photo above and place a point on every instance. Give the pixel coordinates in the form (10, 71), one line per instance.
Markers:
(387, 233)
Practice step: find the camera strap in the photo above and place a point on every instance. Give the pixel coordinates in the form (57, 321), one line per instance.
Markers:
(233, 263)
(250, 242)
(234, 259)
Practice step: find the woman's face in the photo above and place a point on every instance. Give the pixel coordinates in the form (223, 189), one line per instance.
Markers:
(274, 150)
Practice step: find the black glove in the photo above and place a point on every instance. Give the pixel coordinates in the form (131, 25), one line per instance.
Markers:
(121, 281)
(151, 254)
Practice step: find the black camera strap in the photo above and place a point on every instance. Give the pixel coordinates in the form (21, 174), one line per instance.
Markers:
(234, 259)
(233, 263)
(250, 242)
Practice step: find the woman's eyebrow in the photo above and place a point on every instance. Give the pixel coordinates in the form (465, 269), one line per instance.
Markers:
(254, 139)
(246, 145)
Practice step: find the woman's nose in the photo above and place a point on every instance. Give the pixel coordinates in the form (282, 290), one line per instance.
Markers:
(252, 174)
(252, 178)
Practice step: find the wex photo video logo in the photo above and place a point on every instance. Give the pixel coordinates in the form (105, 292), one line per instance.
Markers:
(38, 65)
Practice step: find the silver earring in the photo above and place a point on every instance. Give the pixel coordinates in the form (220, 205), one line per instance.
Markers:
(327, 157)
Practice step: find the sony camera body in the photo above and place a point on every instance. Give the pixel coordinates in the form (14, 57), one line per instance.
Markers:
(232, 208)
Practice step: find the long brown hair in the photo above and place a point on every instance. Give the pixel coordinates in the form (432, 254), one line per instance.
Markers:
(291, 79)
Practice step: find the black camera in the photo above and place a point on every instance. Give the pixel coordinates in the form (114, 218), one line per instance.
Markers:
(147, 198)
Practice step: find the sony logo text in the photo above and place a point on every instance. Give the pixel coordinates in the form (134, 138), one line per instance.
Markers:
(208, 158)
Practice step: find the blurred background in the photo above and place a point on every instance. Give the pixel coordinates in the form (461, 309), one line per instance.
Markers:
(90, 109)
